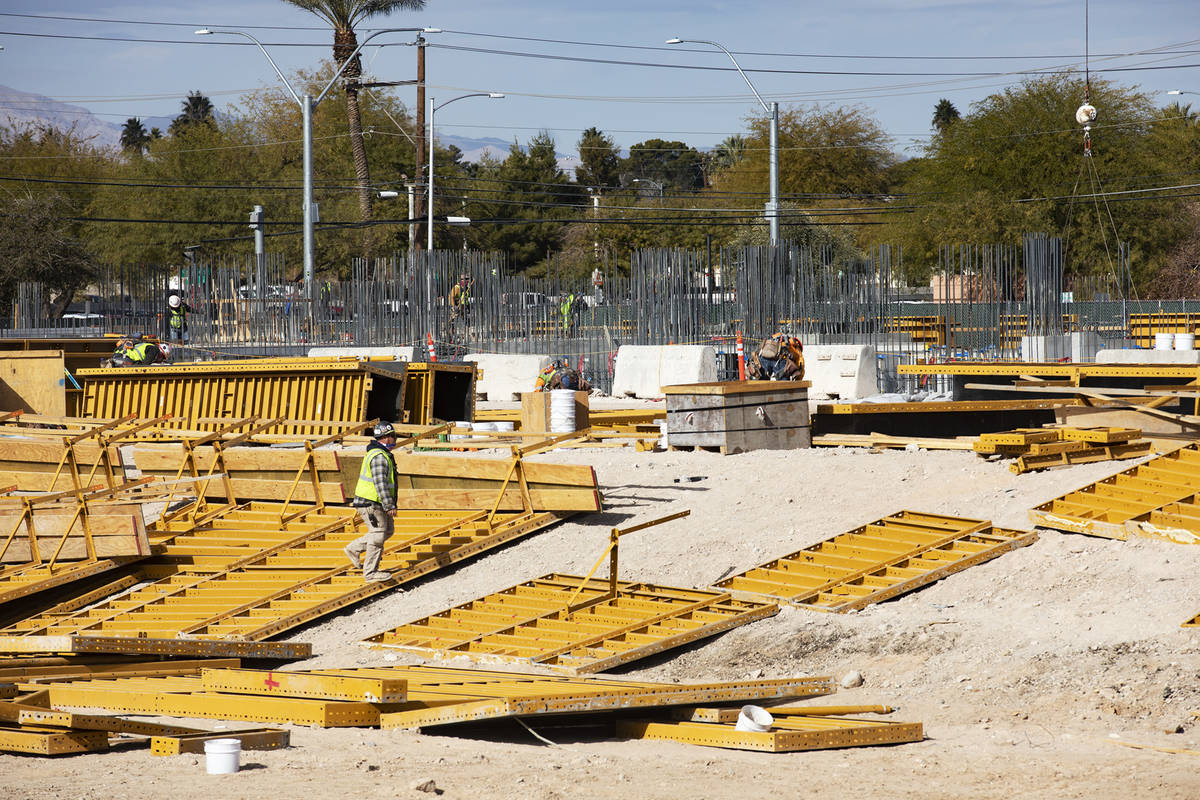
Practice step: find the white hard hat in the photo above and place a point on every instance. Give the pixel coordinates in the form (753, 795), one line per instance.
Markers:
(173, 301)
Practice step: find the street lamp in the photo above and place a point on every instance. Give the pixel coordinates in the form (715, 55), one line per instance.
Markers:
(432, 110)
(773, 111)
(652, 183)
(1180, 91)
(307, 106)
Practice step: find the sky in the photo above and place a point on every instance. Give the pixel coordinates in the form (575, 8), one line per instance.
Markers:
(800, 54)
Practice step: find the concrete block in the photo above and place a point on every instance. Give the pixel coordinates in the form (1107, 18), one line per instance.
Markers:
(642, 370)
(1078, 347)
(1134, 356)
(841, 371)
(506, 376)
(393, 352)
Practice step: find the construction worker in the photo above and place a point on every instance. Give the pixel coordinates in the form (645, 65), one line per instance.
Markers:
(780, 358)
(375, 499)
(570, 313)
(545, 378)
(177, 312)
(460, 296)
(137, 352)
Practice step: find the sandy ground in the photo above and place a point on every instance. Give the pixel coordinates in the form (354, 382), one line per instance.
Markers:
(1027, 672)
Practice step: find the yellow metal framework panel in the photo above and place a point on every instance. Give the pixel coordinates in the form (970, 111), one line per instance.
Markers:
(786, 735)
(133, 645)
(574, 625)
(257, 739)
(1105, 507)
(1194, 622)
(304, 684)
(21, 581)
(877, 561)
(290, 577)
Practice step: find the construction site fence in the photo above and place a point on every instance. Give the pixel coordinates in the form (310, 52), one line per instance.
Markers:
(979, 304)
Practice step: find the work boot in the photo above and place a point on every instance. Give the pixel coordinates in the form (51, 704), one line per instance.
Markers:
(353, 556)
(377, 577)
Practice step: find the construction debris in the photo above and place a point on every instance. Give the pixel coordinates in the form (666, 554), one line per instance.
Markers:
(1042, 448)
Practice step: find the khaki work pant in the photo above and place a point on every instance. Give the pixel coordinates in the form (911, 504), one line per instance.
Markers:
(369, 546)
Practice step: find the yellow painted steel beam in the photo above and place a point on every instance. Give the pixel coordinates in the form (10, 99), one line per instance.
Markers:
(70, 644)
(51, 743)
(256, 739)
(954, 406)
(788, 735)
(95, 722)
(1053, 370)
(304, 684)
(1108, 452)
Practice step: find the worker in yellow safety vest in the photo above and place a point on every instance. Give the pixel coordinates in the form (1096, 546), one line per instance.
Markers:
(375, 499)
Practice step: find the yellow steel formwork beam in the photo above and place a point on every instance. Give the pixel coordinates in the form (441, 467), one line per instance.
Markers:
(256, 739)
(877, 561)
(1194, 622)
(1074, 372)
(1080, 455)
(304, 684)
(786, 735)
(574, 625)
(436, 696)
(1113, 506)
(51, 743)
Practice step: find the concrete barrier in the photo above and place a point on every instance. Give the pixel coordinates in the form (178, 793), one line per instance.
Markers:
(842, 371)
(1078, 347)
(394, 352)
(1132, 356)
(642, 370)
(504, 376)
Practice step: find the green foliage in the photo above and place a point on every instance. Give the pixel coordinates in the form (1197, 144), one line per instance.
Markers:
(1015, 164)
(134, 137)
(38, 242)
(197, 110)
(728, 153)
(822, 151)
(528, 185)
(944, 115)
(601, 162)
(803, 229)
(674, 164)
(343, 14)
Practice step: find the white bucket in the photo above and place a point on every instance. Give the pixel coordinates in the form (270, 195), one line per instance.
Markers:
(462, 425)
(754, 718)
(505, 427)
(1185, 341)
(562, 411)
(222, 756)
(1164, 341)
(485, 427)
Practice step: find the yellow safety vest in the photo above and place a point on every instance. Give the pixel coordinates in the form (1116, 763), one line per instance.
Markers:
(366, 484)
(138, 352)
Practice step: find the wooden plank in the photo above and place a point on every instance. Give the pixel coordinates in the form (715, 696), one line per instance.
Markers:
(116, 531)
(541, 499)
(168, 457)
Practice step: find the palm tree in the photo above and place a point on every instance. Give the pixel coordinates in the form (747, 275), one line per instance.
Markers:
(134, 136)
(343, 15)
(944, 115)
(728, 152)
(197, 110)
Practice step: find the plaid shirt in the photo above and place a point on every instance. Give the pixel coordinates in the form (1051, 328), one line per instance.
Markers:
(385, 486)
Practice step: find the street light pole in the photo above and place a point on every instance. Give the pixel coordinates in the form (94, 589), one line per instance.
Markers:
(432, 110)
(307, 106)
(773, 112)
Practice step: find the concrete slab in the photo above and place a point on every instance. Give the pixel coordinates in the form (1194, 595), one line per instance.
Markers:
(392, 352)
(1134, 356)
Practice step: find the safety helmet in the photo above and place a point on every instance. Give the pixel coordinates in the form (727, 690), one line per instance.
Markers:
(383, 429)
(173, 301)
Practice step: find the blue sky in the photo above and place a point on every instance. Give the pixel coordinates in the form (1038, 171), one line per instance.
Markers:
(119, 79)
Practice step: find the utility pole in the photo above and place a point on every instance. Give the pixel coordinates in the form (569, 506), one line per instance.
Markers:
(413, 242)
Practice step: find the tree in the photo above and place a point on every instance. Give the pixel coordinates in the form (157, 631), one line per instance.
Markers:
(38, 243)
(728, 153)
(601, 165)
(530, 193)
(197, 110)
(1015, 164)
(944, 115)
(342, 15)
(133, 136)
(800, 228)
(674, 164)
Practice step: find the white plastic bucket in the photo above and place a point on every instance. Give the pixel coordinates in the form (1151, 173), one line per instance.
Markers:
(222, 756)
(1164, 341)
(1185, 341)
(484, 427)
(754, 718)
(562, 411)
(505, 427)
(461, 425)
